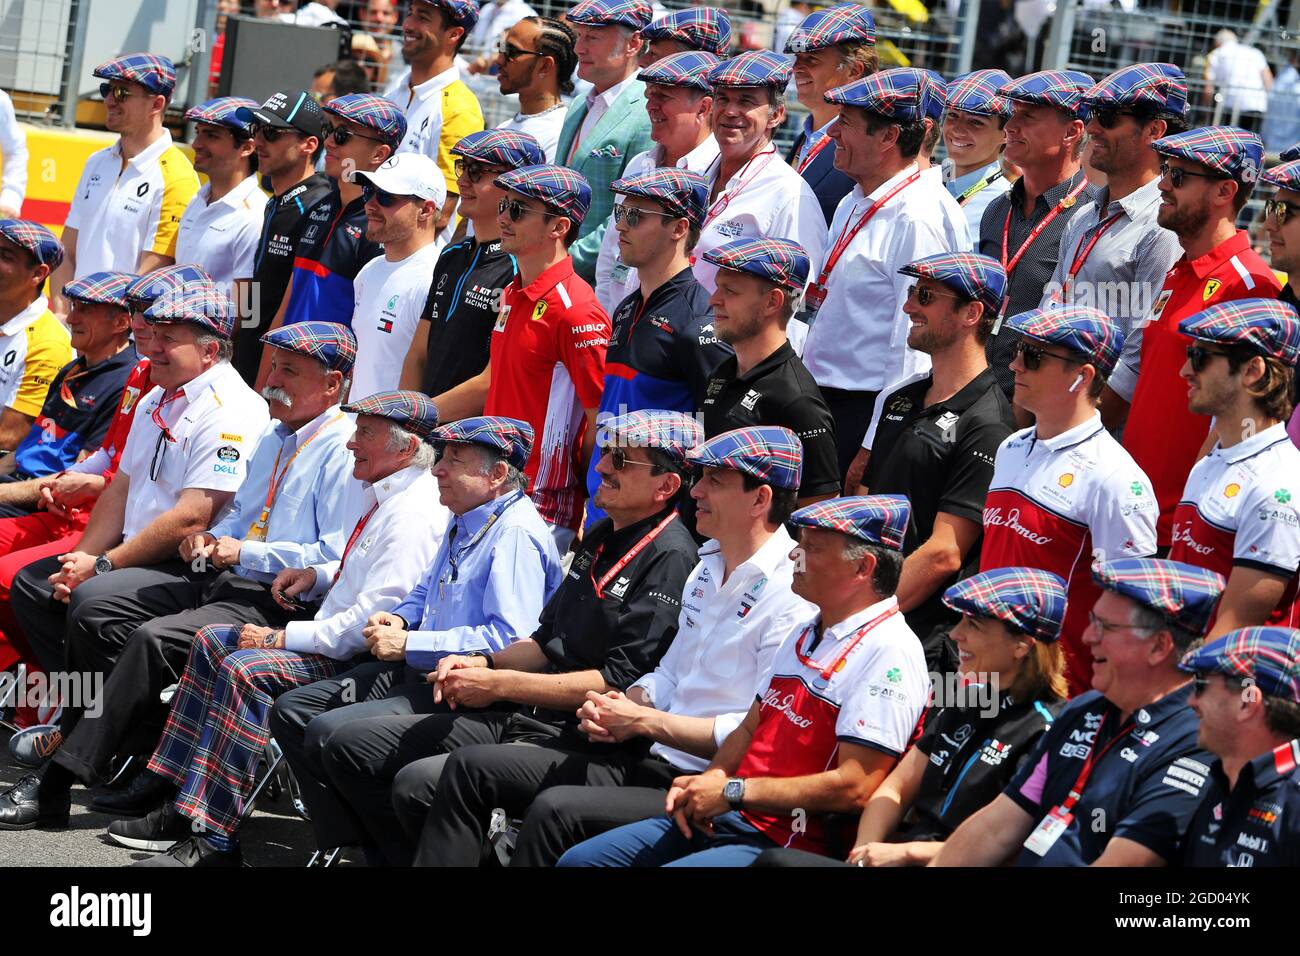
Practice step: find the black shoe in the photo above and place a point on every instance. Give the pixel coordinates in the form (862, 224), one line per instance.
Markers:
(195, 852)
(20, 808)
(157, 832)
(147, 791)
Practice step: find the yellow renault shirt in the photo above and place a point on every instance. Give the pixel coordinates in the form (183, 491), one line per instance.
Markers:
(34, 345)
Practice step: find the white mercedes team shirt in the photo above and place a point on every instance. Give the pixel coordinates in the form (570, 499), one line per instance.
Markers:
(389, 298)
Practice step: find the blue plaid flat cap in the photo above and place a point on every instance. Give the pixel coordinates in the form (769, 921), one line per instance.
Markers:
(973, 276)
(690, 69)
(1063, 89)
(286, 109)
(331, 344)
(558, 186)
(901, 95)
(633, 14)
(463, 13)
(501, 147)
(1159, 86)
(768, 453)
(155, 73)
(876, 519)
(936, 95)
(679, 191)
(755, 68)
(1268, 326)
(414, 411)
(209, 308)
(1079, 328)
(1185, 594)
(842, 23)
(707, 29)
(106, 288)
(1283, 176)
(1270, 656)
(373, 112)
(225, 111)
(977, 92)
(1290, 154)
(1028, 600)
(144, 291)
(38, 241)
(1226, 150)
(776, 260)
(508, 437)
(672, 433)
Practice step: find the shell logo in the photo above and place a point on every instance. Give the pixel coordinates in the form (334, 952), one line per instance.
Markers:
(1231, 490)
(1066, 480)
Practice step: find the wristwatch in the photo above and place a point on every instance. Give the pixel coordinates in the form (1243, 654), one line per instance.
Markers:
(734, 792)
(487, 659)
(103, 564)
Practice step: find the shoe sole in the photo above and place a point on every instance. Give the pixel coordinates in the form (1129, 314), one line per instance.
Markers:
(143, 843)
(132, 813)
(37, 825)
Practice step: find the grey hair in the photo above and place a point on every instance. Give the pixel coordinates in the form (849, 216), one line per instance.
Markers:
(889, 564)
(488, 459)
(775, 97)
(1143, 617)
(225, 346)
(399, 439)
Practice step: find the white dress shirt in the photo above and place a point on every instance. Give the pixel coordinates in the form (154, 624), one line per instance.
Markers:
(13, 144)
(223, 236)
(389, 298)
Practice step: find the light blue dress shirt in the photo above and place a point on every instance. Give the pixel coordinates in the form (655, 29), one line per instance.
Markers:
(975, 206)
(487, 585)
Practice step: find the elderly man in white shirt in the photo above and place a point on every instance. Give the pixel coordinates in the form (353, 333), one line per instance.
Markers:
(858, 339)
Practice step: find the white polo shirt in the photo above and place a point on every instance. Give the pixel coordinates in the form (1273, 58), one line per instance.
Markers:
(389, 299)
(727, 636)
(223, 236)
(544, 127)
(121, 213)
(215, 424)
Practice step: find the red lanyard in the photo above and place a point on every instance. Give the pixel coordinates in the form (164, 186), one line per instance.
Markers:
(65, 387)
(809, 156)
(829, 670)
(274, 487)
(1066, 202)
(721, 203)
(356, 533)
(1081, 255)
(849, 233)
(1076, 792)
(623, 561)
(157, 413)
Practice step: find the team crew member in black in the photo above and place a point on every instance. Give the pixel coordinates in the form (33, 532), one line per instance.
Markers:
(765, 383)
(1117, 779)
(451, 343)
(933, 438)
(288, 138)
(973, 745)
(1246, 690)
(611, 619)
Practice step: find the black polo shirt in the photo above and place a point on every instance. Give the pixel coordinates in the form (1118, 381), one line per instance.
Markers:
(462, 306)
(777, 391)
(1257, 822)
(941, 458)
(971, 759)
(283, 223)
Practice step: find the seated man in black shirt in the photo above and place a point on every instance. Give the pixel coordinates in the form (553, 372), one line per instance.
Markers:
(609, 622)
(933, 437)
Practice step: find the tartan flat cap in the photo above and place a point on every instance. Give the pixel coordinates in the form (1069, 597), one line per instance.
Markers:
(370, 111)
(1028, 600)
(207, 307)
(463, 13)
(1269, 656)
(509, 437)
(673, 433)
(331, 344)
(105, 288)
(501, 147)
(755, 68)
(1283, 176)
(633, 14)
(902, 95)
(1184, 594)
(973, 276)
(144, 291)
(937, 95)
(776, 260)
(977, 92)
(229, 112)
(1160, 86)
(558, 186)
(287, 109)
(1063, 89)
(1227, 150)
(768, 453)
(842, 23)
(706, 29)
(1290, 153)
(1079, 328)
(414, 411)
(38, 241)
(876, 519)
(679, 191)
(155, 73)
(690, 69)
(1268, 326)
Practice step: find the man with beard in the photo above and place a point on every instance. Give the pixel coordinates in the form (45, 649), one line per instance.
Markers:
(536, 61)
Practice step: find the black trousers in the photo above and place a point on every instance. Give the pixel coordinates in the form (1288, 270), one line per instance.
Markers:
(15, 511)
(786, 857)
(851, 412)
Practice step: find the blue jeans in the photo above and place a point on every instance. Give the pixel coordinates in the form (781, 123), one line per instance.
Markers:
(658, 842)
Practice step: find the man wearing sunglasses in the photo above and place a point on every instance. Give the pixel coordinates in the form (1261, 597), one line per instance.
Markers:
(536, 61)
(1282, 222)
(1117, 778)
(1246, 692)
(1063, 491)
(1236, 514)
(1207, 176)
(131, 195)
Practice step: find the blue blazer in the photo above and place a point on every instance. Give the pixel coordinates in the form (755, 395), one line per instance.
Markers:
(828, 184)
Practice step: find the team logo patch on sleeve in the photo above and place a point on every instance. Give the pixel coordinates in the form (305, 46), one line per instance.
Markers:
(228, 453)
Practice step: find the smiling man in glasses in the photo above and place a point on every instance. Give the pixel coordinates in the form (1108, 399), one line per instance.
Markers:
(536, 60)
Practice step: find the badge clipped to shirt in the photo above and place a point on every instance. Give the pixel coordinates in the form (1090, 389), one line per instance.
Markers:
(257, 530)
(1047, 832)
(502, 316)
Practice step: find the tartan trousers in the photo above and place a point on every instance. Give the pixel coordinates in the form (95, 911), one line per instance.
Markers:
(217, 728)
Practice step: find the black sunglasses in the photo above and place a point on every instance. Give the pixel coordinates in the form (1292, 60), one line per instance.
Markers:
(1032, 355)
(618, 458)
(474, 171)
(385, 199)
(517, 210)
(632, 215)
(1177, 174)
(1109, 119)
(925, 295)
(118, 91)
(270, 133)
(159, 453)
(1280, 211)
(343, 136)
(509, 51)
(1199, 356)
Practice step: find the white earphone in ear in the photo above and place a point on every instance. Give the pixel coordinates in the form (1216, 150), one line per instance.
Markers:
(1078, 380)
